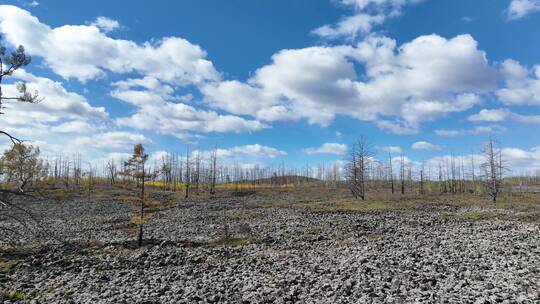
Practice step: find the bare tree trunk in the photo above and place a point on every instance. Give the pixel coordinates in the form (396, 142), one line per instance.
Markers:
(140, 238)
(214, 167)
(188, 173)
(391, 172)
(422, 179)
(473, 175)
(197, 171)
(402, 173)
(493, 170)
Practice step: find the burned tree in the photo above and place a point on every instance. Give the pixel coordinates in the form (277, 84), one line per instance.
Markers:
(492, 169)
(402, 172)
(197, 173)
(111, 171)
(213, 169)
(422, 177)
(135, 168)
(391, 173)
(188, 173)
(358, 165)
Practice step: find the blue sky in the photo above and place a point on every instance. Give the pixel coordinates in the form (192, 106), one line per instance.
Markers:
(294, 81)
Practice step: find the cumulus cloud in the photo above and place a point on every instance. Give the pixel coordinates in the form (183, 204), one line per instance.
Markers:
(351, 26)
(367, 14)
(113, 140)
(157, 109)
(391, 149)
(85, 52)
(503, 115)
(254, 150)
(60, 111)
(522, 87)
(57, 103)
(474, 131)
(318, 83)
(75, 126)
(424, 145)
(328, 148)
(105, 24)
(520, 8)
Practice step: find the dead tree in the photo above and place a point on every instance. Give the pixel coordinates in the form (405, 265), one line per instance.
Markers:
(358, 168)
(188, 173)
(136, 169)
(112, 171)
(422, 191)
(197, 171)
(352, 169)
(390, 167)
(213, 161)
(492, 168)
(402, 172)
(473, 176)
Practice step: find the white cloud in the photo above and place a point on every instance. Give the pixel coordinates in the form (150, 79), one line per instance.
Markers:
(113, 140)
(424, 145)
(258, 150)
(368, 14)
(157, 110)
(397, 127)
(521, 86)
(521, 8)
(60, 111)
(328, 148)
(391, 149)
(84, 52)
(240, 152)
(105, 24)
(475, 131)
(319, 83)
(502, 115)
(351, 26)
(74, 126)
(32, 3)
(57, 103)
(117, 157)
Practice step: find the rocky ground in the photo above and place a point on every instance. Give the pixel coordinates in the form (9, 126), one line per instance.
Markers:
(275, 254)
